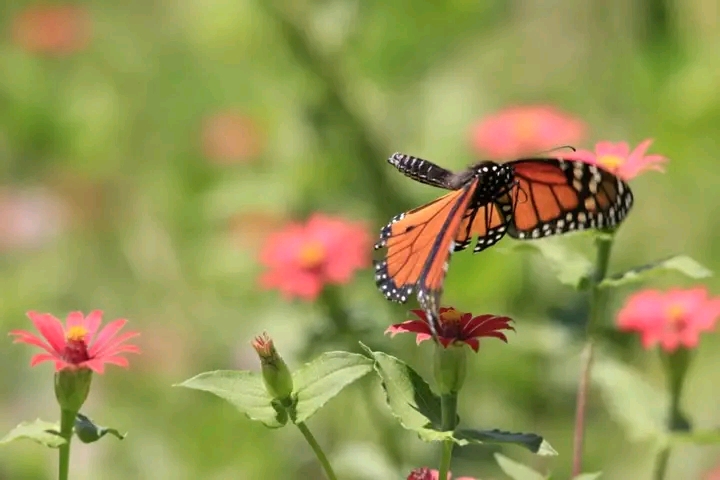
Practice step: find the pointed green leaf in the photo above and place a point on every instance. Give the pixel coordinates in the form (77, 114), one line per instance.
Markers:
(245, 390)
(320, 380)
(88, 432)
(697, 437)
(409, 396)
(588, 476)
(534, 443)
(638, 406)
(570, 267)
(680, 263)
(517, 471)
(44, 433)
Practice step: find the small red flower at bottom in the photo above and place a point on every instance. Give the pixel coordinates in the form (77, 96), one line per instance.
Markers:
(672, 319)
(425, 473)
(75, 346)
(455, 327)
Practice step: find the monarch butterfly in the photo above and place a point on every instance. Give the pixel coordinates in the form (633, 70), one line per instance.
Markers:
(527, 199)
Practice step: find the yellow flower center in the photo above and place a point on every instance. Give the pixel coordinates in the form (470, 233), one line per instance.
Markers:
(76, 333)
(451, 316)
(312, 254)
(611, 162)
(525, 128)
(676, 314)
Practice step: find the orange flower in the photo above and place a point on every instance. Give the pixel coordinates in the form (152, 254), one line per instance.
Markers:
(521, 131)
(673, 319)
(75, 346)
(302, 258)
(52, 29)
(229, 138)
(455, 327)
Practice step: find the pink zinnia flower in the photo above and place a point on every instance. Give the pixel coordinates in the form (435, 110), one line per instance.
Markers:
(75, 346)
(521, 131)
(425, 473)
(302, 258)
(672, 319)
(618, 159)
(455, 327)
(228, 138)
(52, 29)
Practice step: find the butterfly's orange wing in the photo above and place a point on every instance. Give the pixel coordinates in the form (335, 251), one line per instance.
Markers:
(554, 196)
(418, 245)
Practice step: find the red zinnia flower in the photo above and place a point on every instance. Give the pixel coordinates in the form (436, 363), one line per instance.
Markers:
(228, 137)
(75, 346)
(520, 131)
(618, 159)
(303, 258)
(455, 327)
(673, 319)
(425, 473)
(55, 30)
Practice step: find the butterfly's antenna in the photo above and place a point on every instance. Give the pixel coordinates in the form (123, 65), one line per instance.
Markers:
(517, 199)
(547, 152)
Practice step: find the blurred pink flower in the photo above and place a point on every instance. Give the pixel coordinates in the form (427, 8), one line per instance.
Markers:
(455, 327)
(30, 218)
(302, 258)
(713, 474)
(425, 473)
(618, 159)
(75, 346)
(672, 319)
(521, 131)
(228, 138)
(52, 29)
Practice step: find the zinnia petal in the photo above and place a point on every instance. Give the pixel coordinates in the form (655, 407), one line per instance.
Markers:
(50, 328)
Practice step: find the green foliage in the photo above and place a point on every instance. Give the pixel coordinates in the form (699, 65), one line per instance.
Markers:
(245, 390)
(517, 471)
(323, 378)
(418, 409)
(39, 431)
(570, 267)
(315, 384)
(679, 263)
(88, 432)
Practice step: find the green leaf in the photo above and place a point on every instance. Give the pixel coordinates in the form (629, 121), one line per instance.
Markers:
(517, 471)
(638, 406)
(88, 432)
(44, 433)
(410, 398)
(696, 437)
(245, 390)
(320, 380)
(680, 263)
(534, 443)
(588, 476)
(570, 267)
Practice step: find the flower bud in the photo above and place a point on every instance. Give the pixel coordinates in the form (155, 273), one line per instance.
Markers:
(72, 386)
(276, 375)
(450, 368)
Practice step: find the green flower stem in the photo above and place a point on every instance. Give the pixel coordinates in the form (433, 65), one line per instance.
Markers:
(676, 366)
(598, 302)
(67, 421)
(318, 450)
(448, 404)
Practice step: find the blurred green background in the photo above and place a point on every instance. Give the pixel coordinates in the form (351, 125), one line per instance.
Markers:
(146, 147)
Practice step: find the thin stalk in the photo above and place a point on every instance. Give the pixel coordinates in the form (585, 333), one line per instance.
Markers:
(448, 404)
(67, 421)
(318, 451)
(661, 463)
(598, 301)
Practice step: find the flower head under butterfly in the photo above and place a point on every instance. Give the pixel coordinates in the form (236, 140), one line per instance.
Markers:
(455, 327)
